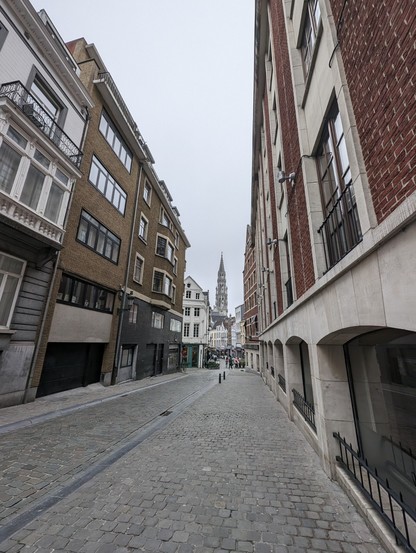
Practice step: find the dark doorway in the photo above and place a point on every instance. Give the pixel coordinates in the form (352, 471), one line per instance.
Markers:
(69, 366)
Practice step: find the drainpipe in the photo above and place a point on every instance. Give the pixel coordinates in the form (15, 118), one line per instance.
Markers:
(117, 356)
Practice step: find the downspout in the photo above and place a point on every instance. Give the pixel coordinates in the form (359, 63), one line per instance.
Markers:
(117, 355)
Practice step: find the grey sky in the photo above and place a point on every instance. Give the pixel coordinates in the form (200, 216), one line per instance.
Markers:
(185, 70)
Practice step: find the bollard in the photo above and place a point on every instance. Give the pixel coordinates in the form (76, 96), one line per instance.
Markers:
(219, 378)
(223, 375)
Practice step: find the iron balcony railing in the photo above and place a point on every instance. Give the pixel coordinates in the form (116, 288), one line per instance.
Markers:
(341, 230)
(396, 513)
(305, 408)
(282, 382)
(28, 104)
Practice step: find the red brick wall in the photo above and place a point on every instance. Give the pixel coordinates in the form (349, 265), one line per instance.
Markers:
(377, 45)
(302, 269)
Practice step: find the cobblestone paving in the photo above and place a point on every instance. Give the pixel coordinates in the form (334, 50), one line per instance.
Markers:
(232, 473)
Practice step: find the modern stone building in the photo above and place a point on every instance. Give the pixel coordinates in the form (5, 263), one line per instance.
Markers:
(116, 309)
(196, 320)
(43, 118)
(334, 232)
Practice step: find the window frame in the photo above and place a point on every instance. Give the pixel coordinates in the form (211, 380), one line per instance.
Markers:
(158, 317)
(101, 230)
(34, 159)
(140, 279)
(308, 52)
(147, 192)
(144, 219)
(69, 284)
(5, 276)
(111, 186)
(106, 119)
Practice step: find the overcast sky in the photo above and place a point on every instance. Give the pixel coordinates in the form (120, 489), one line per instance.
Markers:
(185, 71)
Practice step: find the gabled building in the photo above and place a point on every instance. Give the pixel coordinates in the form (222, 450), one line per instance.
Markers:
(43, 117)
(333, 227)
(196, 320)
(116, 308)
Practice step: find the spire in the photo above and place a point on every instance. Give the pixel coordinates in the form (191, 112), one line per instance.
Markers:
(221, 293)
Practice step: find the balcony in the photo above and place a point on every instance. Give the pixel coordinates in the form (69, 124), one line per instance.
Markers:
(27, 103)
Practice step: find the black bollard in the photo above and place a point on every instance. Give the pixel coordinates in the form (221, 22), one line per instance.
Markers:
(219, 378)
(223, 375)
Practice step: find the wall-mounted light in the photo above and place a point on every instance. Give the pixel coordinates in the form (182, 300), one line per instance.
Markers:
(128, 302)
(283, 177)
(267, 270)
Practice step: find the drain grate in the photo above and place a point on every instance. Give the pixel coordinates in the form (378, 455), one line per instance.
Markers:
(165, 413)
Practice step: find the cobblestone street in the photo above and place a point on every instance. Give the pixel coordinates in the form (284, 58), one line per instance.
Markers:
(222, 470)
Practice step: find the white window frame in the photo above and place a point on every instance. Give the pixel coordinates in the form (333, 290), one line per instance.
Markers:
(147, 192)
(140, 279)
(107, 185)
(158, 320)
(186, 329)
(37, 159)
(5, 274)
(143, 236)
(168, 249)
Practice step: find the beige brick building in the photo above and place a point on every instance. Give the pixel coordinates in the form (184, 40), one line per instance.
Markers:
(116, 309)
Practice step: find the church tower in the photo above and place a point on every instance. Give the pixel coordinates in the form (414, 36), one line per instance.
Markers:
(221, 293)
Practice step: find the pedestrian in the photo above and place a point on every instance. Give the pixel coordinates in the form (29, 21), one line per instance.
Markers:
(226, 361)
(231, 362)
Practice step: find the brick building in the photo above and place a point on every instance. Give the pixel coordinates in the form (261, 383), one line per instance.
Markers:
(116, 308)
(43, 116)
(333, 229)
(252, 297)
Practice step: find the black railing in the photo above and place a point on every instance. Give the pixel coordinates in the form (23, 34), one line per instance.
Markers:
(28, 104)
(398, 515)
(305, 408)
(282, 382)
(341, 230)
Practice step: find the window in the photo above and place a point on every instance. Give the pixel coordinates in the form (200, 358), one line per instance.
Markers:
(173, 298)
(164, 248)
(196, 311)
(188, 294)
(127, 354)
(187, 311)
(138, 269)
(310, 33)
(167, 286)
(143, 228)
(107, 185)
(175, 265)
(133, 311)
(147, 192)
(186, 327)
(176, 239)
(175, 325)
(164, 219)
(113, 137)
(341, 229)
(11, 275)
(84, 294)
(46, 98)
(157, 320)
(196, 330)
(197, 295)
(97, 237)
(157, 281)
(45, 189)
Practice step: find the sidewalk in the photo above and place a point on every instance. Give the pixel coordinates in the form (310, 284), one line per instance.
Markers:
(56, 405)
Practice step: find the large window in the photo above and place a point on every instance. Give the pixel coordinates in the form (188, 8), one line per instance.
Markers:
(310, 33)
(107, 185)
(157, 320)
(162, 283)
(84, 294)
(117, 144)
(97, 237)
(11, 275)
(186, 327)
(196, 330)
(164, 248)
(46, 187)
(341, 227)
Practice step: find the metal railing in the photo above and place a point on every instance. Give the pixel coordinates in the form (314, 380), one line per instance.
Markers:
(398, 515)
(305, 408)
(28, 104)
(282, 382)
(341, 230)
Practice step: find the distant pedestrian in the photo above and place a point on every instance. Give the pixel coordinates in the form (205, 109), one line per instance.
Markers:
(231, 362)
(226, 361)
